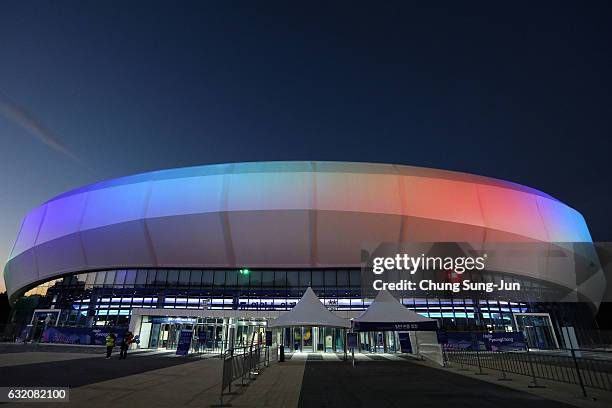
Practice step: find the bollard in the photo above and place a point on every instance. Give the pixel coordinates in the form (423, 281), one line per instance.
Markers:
(281, 358)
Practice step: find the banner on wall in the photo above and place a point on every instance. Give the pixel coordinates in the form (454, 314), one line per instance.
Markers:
(397, 326)
(81, 335)
(483, 341)
(504, 341)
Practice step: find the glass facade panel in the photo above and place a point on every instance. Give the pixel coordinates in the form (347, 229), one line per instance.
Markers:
(184, 278)
(195, 279)
(173, 277)
(106, 297)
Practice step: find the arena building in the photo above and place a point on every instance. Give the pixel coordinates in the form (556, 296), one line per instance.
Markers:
(233, 245)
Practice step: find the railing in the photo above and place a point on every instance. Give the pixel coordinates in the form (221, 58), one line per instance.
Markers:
(568, 366)
(244, 364)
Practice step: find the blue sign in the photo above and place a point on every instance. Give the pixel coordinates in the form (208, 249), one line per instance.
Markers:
(504, 341)
(184, 342)
(397, 326)
(405, 345)
(484, 341)
(164, 319)
(461, 340)
(81, 335)
(351, 340)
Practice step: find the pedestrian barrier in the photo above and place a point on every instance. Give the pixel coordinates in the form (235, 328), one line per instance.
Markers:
(562, 366)
(244, 364)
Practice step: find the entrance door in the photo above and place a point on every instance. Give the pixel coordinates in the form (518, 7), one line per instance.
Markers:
(41, 319)
(537, 329)
(307, 339)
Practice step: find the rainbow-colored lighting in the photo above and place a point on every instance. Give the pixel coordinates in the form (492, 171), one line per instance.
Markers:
(275, 214)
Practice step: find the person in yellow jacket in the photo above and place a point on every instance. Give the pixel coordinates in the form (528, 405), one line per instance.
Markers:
(110, 344)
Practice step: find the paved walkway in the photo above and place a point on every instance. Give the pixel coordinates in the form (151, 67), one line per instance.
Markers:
(340, 357)
(153, 379)
(14, 359)
(195, 384)
(277, 386)
(70, 369)
(401, 384)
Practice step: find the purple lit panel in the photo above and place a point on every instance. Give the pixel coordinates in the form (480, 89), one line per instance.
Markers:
(275, 214)
(63, 217)
(189, 195)
(115, 205)
(29, 231)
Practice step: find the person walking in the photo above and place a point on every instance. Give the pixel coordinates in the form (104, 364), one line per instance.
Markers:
(125, 345)
(110, 344)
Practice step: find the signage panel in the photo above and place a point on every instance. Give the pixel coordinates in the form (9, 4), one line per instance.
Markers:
(397, 326)
(184, 342)
(351, 340)
(405, 345)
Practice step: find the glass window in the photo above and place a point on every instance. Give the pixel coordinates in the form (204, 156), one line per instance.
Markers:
(207, 278)
(100, 277)
(280, 279)
(173, 276)
(293, 279)
(267, 279)
(231, 278)
(184, 277)
(195, 280)
(243, 280)
(255, 279)
(219, 278)
(91, 278)
(110, 278)
(141, 277)
(317, 278)
(160, 279)
(81, 278)
(343, 278)
(130, 277)
(305, 279)
(355, 278)
(151, 273)
(120, 277)
(330, 278)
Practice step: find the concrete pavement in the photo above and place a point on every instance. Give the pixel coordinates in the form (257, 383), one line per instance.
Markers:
(160, 379)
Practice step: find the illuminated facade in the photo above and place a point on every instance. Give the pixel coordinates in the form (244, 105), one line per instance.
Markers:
(176, 240)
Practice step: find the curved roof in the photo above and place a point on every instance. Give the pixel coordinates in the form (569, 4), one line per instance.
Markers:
(274, 214)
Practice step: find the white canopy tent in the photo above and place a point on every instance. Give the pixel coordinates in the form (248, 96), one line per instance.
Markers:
(386, 311)
(309, 311)
(387, 314)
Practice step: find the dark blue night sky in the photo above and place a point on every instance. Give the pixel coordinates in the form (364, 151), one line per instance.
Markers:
(93, 90)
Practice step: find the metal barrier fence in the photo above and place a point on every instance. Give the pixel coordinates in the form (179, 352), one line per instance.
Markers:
(244, 364)
(568, 366)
